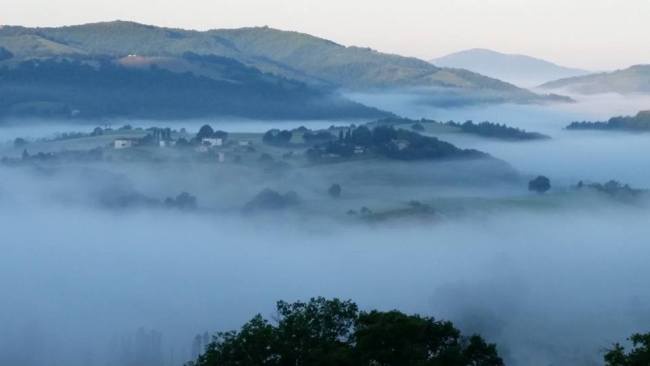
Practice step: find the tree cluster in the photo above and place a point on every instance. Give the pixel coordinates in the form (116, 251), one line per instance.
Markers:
(640, 122)
(639, 355)
(386, 141)
(277, 137)
(206, 131)
(496, 130)
(612, 188)
(269, 199)
(325, 332)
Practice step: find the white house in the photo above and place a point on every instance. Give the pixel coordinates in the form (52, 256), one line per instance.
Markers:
(212, 141)
(123, 143)
(401, 144)
(166, 143)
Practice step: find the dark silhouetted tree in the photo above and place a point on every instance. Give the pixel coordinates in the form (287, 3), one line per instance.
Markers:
(325, 332)
(205, 131)
(335, 190)
(540, 184)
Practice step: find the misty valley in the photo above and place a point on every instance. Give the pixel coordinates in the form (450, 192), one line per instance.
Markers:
(172, 232)
(253, 196)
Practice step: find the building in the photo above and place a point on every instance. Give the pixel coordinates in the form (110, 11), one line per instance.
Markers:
(119, 144)
(401, 144)
(212, 142)
(166, 143)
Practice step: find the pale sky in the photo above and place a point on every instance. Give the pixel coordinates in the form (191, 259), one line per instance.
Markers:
(592, 34)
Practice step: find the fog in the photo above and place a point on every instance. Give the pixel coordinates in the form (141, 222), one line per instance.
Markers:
(553, 280)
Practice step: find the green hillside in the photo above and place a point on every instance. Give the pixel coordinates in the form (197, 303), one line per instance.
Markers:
(635, 79)
(288, 54)
(99, 87)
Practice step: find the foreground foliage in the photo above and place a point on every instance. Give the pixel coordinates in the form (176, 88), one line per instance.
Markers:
(334, 332)
(639, 355)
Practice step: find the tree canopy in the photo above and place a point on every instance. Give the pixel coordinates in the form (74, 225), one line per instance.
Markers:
(540, 184)
(639, 355)
(324, 332)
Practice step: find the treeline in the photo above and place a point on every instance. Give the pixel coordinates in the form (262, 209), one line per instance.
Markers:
(496, 130)
(389, 142)
(99, 87)
(640, 123)
(484, 129)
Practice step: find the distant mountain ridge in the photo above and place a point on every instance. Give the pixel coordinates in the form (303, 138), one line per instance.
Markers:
(292, 55)
(517, 69)
(633, 80)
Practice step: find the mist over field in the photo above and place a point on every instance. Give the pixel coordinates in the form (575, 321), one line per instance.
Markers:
(552, 280)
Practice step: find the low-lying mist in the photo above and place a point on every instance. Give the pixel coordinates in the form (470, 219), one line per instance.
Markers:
(553, 279)
(550, 287)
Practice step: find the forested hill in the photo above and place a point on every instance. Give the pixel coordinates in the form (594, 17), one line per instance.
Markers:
(293, 55)
(638, 123)
(633, 80)
(100, 87)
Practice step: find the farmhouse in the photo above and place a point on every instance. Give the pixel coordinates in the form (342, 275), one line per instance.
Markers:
(210, 141)
(124, 143)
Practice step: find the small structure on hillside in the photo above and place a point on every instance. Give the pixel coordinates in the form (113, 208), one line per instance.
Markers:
(212, 141)
(123, 143)
(401, 144)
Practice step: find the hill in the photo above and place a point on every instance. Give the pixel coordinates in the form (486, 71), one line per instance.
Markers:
(635, 79)
(517, 69)
(292, 55)
(138, 87)
(638, 123)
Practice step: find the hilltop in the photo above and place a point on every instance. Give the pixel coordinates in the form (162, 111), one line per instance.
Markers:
(635, 79)
(517, 69)
(297, 56)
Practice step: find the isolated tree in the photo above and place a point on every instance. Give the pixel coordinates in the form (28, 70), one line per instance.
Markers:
(639, 355)
(335, 190)
(540, 184)
(205, 131)
(20, 142)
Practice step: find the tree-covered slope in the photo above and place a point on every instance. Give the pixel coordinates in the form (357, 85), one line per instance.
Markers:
(100, 87)
(288, 54)
(635, 79)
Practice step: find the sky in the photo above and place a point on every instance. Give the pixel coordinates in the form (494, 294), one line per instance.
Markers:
(591, 34)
